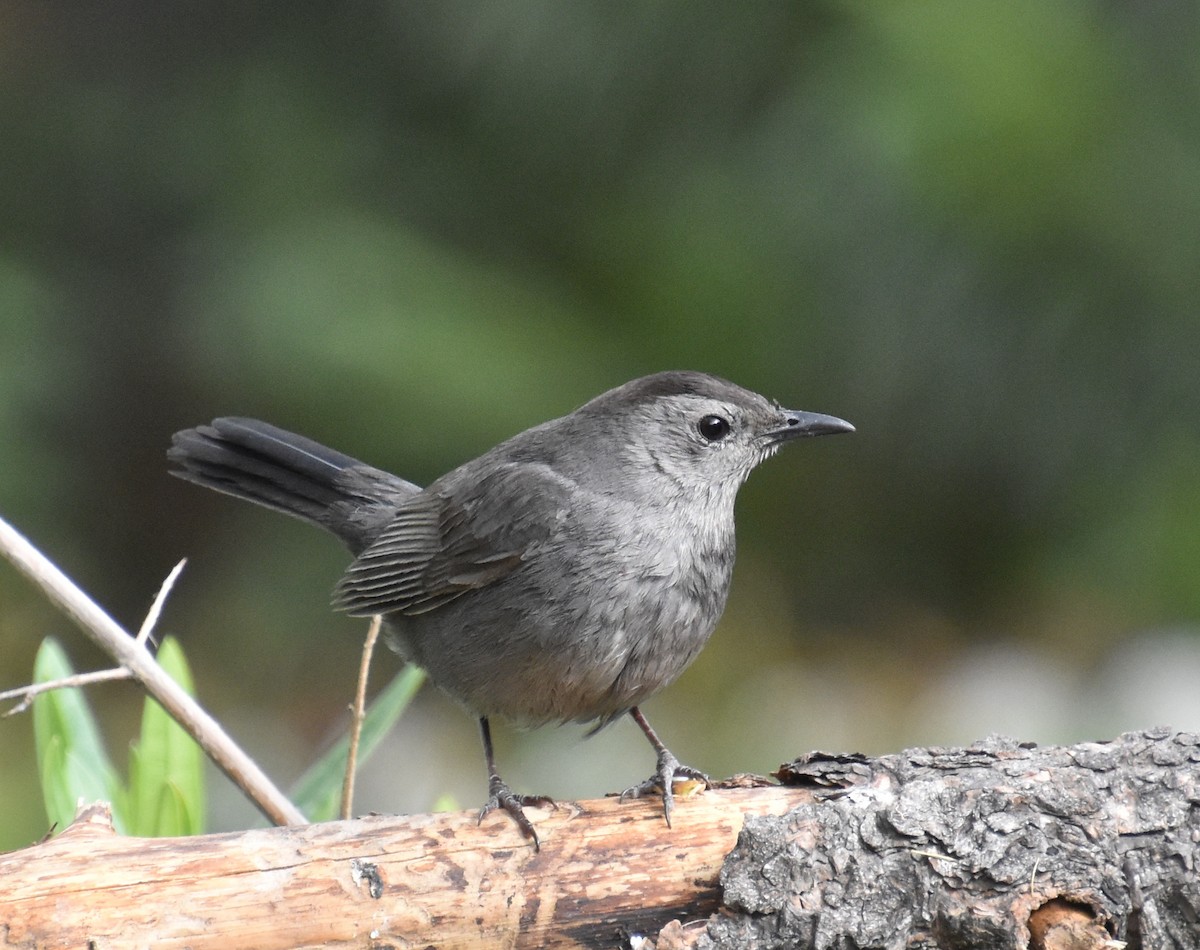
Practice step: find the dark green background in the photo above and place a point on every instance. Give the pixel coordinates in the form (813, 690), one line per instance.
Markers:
(413, 229)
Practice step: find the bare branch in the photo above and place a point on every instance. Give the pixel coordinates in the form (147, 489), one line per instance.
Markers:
(133, 655)
(29, 693)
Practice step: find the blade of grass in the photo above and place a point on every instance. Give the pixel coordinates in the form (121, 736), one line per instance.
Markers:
(72, 761)
(166, 776)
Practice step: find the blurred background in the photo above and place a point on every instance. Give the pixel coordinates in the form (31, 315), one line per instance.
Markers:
(410, 230)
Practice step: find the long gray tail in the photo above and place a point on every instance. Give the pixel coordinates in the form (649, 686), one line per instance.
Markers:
(278, 469)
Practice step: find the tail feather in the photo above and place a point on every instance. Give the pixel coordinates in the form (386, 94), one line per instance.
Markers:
(289, 473)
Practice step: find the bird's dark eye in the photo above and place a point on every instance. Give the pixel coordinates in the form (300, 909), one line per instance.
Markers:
(713, 428)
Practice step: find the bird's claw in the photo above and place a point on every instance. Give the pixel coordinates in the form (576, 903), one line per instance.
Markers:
(500, 796)
(663, 780)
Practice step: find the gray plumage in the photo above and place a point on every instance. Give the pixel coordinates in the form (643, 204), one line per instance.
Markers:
(567, 574)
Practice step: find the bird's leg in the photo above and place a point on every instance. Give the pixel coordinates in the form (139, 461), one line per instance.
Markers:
(501, 796)
(664, 776)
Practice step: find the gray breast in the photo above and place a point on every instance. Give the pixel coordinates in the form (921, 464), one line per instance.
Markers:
(586, 628)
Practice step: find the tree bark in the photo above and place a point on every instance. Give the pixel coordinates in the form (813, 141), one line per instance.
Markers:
(998, 845)
(983, 847)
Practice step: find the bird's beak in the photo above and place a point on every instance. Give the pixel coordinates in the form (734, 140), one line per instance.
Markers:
(798, 425)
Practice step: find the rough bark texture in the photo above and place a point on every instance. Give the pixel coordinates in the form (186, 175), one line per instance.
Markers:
(963, 847)
(1000, 845)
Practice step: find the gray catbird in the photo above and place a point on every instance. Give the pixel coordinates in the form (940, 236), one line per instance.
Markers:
(566, 575)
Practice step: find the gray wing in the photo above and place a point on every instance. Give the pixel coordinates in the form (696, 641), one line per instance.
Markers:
(458, 535)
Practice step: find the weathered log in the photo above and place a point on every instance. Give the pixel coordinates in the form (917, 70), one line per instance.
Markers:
(606, 869)
(997, 845)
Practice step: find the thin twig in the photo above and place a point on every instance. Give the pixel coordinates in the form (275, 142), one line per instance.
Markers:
(28, 693)
(134, 656)
(358, 714)
(155, 610)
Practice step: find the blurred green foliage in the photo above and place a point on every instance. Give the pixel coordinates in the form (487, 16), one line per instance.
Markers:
(72, 765)
(410, 230)
(165, 794)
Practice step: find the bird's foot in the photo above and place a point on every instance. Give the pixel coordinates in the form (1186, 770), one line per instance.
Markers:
(663, 780)
(503, 797)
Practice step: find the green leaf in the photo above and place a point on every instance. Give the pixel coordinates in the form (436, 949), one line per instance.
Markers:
(318, 793)
(166, 766)
(72, 761)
